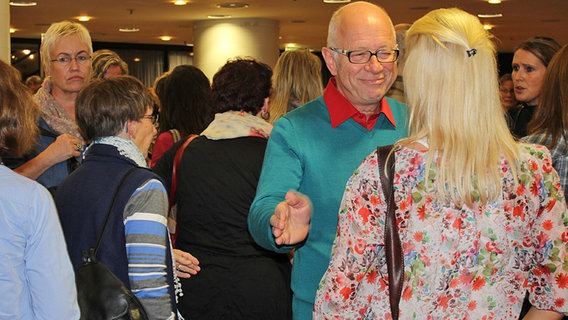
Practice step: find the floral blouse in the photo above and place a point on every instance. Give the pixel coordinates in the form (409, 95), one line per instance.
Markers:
(460, 262)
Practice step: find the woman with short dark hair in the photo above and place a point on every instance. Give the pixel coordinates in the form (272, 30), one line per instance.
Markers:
(216, 184)
(116, 117)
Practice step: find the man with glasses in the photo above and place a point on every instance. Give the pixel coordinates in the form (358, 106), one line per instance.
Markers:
(314, 149)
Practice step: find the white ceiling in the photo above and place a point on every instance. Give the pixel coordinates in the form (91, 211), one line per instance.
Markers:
(301, 21)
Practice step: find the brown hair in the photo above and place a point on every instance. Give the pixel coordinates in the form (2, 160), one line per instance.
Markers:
(18, 114)
(551, 116)
(543, 48)
(103, 106)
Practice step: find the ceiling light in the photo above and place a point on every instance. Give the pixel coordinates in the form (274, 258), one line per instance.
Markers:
(232, 5)
(129, 29)
(136, 59)
(336, 1)
(218, 16)
(494, 1)
(166, 38)
(26, 51)
(180, 2)
(23, 3)
(487, 27)
(84, 18)
(490, 15)
(12, 30)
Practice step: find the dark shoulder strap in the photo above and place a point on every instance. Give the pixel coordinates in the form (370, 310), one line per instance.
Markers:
(109, 212)
(393, 246)
(177, 160)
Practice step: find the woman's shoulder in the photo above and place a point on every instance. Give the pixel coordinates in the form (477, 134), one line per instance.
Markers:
(535, 152)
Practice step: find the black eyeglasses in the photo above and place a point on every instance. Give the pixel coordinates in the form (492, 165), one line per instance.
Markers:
(65, 59)
(364, 56)
(153, 117)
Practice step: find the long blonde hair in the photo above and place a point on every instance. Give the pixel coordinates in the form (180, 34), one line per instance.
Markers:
(296, 80)
(450, 78)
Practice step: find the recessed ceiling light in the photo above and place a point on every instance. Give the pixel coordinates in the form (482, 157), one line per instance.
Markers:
(166, 38)
(129, 29)
(12, 30)
(180, 2)
(136, 59)
(26, 51)
(218, 16)
(23, 3)
(487, 27)
(232, 5)
(336, 1)
(84, 18)
(494, 1)
(490, 15)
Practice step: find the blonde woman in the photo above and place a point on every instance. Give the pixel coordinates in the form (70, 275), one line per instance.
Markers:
(482, 218)
(297, 79)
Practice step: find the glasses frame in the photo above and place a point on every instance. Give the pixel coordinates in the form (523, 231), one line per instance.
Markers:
(152, 117)
(348, 53)
(61, 57)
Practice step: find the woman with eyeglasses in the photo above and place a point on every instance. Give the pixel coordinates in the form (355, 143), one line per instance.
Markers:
(507, 91)
(116, 117)
(66, 51)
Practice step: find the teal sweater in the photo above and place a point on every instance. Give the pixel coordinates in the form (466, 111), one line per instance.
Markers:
(306, 154)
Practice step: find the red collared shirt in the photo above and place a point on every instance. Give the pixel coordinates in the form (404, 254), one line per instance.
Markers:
(340, 110)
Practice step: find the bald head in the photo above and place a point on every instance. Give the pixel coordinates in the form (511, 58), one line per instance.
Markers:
(361, 27)
(356, 16)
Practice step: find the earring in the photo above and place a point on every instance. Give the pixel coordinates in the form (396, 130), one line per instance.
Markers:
(265, 114)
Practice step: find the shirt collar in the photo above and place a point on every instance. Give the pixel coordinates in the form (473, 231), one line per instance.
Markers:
(340, 109)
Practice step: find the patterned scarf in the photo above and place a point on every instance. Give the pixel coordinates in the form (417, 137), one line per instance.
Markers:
(236, 124)
(53, 114)
(125, 147)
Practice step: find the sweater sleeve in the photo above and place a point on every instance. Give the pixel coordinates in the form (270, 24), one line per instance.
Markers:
(281, 172)
(146, 248)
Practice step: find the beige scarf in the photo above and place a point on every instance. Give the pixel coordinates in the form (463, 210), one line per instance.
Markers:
(53, 114)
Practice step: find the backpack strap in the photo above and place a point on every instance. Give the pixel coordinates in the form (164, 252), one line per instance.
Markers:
(93, 251)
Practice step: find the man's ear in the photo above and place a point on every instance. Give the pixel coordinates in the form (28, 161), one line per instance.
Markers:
(329, 58)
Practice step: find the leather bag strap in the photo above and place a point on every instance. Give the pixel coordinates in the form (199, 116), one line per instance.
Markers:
(177, 160)
(393, 247)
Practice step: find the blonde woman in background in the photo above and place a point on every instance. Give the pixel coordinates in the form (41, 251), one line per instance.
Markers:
(297, 79)
(66, 51)
(108, 64)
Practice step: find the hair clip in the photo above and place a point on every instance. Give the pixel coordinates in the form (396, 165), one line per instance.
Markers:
(471, 52)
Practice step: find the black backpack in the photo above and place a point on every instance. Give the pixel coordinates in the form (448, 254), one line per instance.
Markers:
(101, 295)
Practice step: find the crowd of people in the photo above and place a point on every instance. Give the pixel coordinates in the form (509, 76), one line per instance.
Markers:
(258, 195)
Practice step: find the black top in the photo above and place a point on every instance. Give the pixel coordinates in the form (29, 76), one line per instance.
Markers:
(217, 182)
